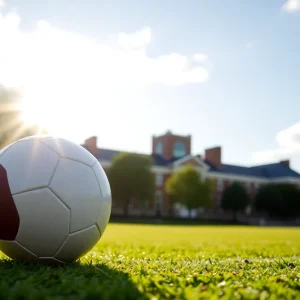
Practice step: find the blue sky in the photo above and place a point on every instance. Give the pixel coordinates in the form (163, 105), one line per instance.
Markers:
(242, 94)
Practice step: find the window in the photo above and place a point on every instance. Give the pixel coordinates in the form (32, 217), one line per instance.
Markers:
(179, 149)
(159, 148)
(158, 200)
(220, 185)
(159, 179)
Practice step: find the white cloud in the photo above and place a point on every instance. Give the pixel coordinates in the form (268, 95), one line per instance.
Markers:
(288, 141)
(137, 39)
(65, 74)
(59, 56)
(2, 4)
(291, 6)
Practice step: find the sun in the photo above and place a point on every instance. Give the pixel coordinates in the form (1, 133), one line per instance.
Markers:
(39, 111)
(34, 115)
(53, 113)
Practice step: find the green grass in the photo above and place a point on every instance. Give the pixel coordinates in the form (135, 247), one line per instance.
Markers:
(169, 262)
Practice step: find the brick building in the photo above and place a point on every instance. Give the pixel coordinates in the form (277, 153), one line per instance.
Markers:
(170, 152)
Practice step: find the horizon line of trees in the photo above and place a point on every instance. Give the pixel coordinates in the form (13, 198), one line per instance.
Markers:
(274, 200)
(131, 177)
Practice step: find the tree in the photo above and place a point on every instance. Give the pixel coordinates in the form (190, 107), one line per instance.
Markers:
(131, 178)
(235, 198)
(187, 188)
(291, 199)
(268, 199)
(278, 200)
(12, 127)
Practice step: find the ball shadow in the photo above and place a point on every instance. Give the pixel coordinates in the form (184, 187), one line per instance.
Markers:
(71, 281)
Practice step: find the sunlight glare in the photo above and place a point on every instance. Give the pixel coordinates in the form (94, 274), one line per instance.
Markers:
(36, 112)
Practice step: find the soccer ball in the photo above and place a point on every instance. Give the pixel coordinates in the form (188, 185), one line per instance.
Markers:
(55, 200)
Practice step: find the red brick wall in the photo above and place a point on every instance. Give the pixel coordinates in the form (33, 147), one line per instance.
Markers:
(286, 163)
(226, 184)
(169, 141)
(165, 202)
(91, 145)
(213, 155)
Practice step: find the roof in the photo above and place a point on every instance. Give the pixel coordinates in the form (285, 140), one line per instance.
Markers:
(108, 155)
(269, 171)
(274, 170)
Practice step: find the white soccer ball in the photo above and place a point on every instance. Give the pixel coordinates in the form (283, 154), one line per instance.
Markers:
(55, 200)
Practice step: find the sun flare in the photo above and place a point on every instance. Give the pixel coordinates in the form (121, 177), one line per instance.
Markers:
(36, 114)
(65, 116)
(73, 84)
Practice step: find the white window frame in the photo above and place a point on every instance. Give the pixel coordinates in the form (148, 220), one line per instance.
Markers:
(159, 179)
(220, 185)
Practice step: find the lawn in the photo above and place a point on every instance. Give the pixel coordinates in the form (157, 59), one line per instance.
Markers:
(169, 262)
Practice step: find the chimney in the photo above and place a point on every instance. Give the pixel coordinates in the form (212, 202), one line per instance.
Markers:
(285, 162)
(91, 145)
(213, 155)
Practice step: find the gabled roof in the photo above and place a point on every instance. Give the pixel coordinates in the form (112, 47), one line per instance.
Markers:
(269, 171)
(274, 170)
(107, 154)
(189, 159)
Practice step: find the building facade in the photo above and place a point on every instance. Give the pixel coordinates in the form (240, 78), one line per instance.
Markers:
(170, 152)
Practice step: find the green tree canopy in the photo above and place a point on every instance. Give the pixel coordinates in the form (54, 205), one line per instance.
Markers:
(130, 177)
(187, 188)
(235, 198)
(12, 127)
(278, 200)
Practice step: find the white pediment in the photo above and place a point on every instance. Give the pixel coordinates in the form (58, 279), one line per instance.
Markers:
(198, 162)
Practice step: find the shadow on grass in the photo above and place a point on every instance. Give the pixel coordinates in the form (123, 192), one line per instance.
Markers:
(73, 281)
